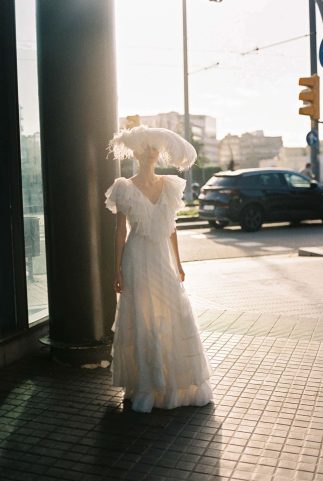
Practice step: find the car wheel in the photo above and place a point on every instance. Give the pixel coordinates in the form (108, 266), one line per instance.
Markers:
(251, 218)
(217, 224)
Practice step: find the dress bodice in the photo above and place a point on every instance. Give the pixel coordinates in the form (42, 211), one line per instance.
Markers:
(153, 220)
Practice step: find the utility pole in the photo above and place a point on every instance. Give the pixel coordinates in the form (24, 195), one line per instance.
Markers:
(187, 130)
(315, 149)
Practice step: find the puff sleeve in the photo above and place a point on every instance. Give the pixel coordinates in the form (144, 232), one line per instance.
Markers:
(175, 188)
(117, 196)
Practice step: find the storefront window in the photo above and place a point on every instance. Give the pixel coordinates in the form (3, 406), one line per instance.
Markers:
(31, 160)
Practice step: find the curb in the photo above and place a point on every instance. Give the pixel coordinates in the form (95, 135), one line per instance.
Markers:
(187, 218)
(311, 251)
(186, 222)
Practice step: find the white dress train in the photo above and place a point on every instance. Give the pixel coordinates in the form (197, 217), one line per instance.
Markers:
(157, 354)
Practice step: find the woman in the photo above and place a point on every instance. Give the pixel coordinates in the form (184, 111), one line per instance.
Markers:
(158, 357)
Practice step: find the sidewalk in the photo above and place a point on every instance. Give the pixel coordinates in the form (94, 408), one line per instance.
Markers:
(266, 423)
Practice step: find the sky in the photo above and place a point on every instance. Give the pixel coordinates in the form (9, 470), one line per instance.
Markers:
(244, 91)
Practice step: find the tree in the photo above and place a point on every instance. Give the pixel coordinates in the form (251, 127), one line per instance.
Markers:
(201, 159)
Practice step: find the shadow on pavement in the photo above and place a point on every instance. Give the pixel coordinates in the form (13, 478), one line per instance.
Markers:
(66, 423)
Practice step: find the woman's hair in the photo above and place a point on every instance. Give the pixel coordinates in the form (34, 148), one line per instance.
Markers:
(173, 149)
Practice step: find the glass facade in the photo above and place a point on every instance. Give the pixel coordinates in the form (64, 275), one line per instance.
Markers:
(32, 188)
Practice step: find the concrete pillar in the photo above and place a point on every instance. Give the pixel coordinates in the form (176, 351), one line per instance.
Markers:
(78, 114)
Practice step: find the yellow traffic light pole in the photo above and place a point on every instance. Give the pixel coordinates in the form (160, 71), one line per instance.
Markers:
(314, 121)
(311, 95)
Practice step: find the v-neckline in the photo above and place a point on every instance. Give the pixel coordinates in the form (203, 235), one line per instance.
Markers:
(145, 196)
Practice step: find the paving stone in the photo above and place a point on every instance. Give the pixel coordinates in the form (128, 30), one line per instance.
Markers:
(284, 473)
(70, 424)
(304, 476)
(259, 476)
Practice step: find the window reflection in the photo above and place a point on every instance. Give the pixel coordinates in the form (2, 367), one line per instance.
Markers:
(32, 188)
(298, 181)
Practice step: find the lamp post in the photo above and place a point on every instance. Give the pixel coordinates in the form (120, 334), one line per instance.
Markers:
(187, 129)
(188, 173)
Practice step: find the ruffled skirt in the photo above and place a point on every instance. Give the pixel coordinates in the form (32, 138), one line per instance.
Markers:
(158, 356)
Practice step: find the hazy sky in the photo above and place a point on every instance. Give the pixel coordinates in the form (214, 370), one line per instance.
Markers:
(257, 91)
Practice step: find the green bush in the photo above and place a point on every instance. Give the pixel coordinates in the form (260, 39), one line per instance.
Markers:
(189, 212)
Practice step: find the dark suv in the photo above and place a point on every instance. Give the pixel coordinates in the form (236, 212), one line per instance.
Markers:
(250, 197)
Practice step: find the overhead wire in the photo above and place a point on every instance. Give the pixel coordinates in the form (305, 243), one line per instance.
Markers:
(256, 49)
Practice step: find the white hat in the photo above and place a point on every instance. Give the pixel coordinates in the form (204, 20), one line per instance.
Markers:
(173, 149)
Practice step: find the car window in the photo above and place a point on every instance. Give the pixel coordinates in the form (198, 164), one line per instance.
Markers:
(221, 181)
(250, 181)
(271, 180)
(295, 180)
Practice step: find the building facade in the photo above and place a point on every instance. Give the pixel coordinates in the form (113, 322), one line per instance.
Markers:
(248, 150)
(288, 157)
(203, 128)
(293, 158)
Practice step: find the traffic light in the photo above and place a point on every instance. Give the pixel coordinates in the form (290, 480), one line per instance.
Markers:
(310, 96)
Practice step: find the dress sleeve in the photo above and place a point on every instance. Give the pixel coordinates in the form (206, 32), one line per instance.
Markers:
(117, 196)
(176, 186)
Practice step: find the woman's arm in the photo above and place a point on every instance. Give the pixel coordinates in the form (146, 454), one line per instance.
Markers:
(119, 241)
(174, 242)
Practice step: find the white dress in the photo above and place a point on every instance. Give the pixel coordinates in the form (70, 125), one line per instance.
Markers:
(157, 354)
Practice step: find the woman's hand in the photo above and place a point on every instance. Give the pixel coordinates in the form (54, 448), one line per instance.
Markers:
(181, 272)
(118, 282)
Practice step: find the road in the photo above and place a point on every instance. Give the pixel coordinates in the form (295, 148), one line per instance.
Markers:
(203, 244)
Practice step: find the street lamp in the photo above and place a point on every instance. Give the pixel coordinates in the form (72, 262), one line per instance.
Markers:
(188, 173)
(187, 133)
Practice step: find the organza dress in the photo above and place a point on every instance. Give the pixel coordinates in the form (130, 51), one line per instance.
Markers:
(157, 354)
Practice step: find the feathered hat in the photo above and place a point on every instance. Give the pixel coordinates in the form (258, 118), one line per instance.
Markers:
(173, 149)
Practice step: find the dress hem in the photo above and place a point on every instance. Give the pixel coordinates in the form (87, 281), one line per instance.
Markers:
(170, 398)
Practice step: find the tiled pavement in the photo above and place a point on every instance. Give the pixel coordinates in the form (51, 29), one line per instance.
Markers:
(266, 422)
(279, 284)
